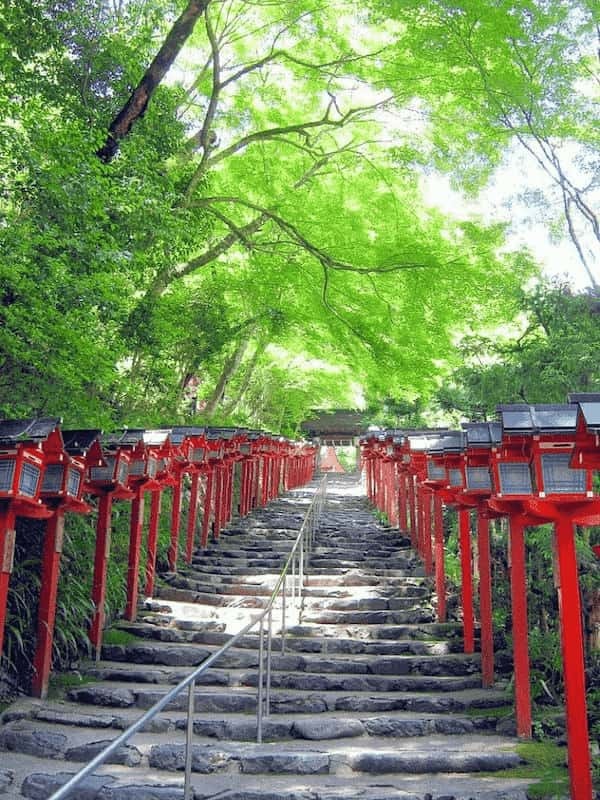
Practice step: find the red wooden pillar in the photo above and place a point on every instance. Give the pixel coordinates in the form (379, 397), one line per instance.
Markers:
(380, 485)
(571, 635)
(419, 519)
(520, 625)
(440, 570)
(265, 480)
(250, 486)
(207, 511)
(228, 497)
(135, 547)
(402, 502)
(7, 553)
(427, 550)
(155, 505)
(175, 522)
(412, 505)
(42, 660)
(244, 478)
(466, 570)
(392, 503)
(218, 487)
(101, 555)
(192, 517)
(485, 599)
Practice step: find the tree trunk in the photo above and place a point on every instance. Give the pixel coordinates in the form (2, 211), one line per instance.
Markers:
(137, 103)
(231, 366)
(234, 403)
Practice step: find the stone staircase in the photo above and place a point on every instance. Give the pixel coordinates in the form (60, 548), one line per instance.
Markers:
(371, 699)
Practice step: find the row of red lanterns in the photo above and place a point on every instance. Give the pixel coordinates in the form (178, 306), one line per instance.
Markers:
(534, 465)
(46, 472)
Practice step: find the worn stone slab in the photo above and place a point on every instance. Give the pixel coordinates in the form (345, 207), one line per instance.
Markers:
(327, 728)
(44, 744)
(205, 758)
(203, 701)
(172, 655)
(433, 761)
(284, 762)
(103, 696)
(40, 786)
(239, 730)
(72, 717)
(127, 755)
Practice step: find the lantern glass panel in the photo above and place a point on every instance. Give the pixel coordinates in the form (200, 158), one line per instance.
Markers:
(435, 472)
(515, 478)
(103, 473)
(7, 474)
(152, 466)
(73, 482)
(455, 477)
(53, 478)
(478, 478)
(137, 467)
(245, 449)
(122, 471)
(197, 454)
(559, 478)
(28, 483)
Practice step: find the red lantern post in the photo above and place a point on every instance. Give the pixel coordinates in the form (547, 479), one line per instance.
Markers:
(22, 463)
(68, 458)
(107, 482)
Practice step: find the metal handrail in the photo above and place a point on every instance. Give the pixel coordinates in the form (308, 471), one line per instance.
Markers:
(297, 558)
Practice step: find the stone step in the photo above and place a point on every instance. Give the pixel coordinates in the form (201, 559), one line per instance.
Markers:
(187, 590)
(39, 779)
(463, 752)
(242, 727)
(416, 571)
(332, 681)
(180, 655)
(412, 616)
(350, 578)
(288, 701)
(366, 563)
(204, 635)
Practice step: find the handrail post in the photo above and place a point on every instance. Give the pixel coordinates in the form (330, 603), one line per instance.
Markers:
(187, 785)
(269, 654)
(283, 591)
(259, 699)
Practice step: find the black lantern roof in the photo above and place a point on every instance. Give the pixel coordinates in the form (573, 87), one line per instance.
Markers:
(130, 437)
(15, 431)
(220, 433)
(181, 432)
(482, 434)
(78, 442)
(589, 403)
(545, 418)
(156, 438)
(453, 441)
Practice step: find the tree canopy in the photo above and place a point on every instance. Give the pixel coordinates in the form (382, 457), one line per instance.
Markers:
(214, 209)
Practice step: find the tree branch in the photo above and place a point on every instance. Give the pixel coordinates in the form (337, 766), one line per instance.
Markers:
(136, 105)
